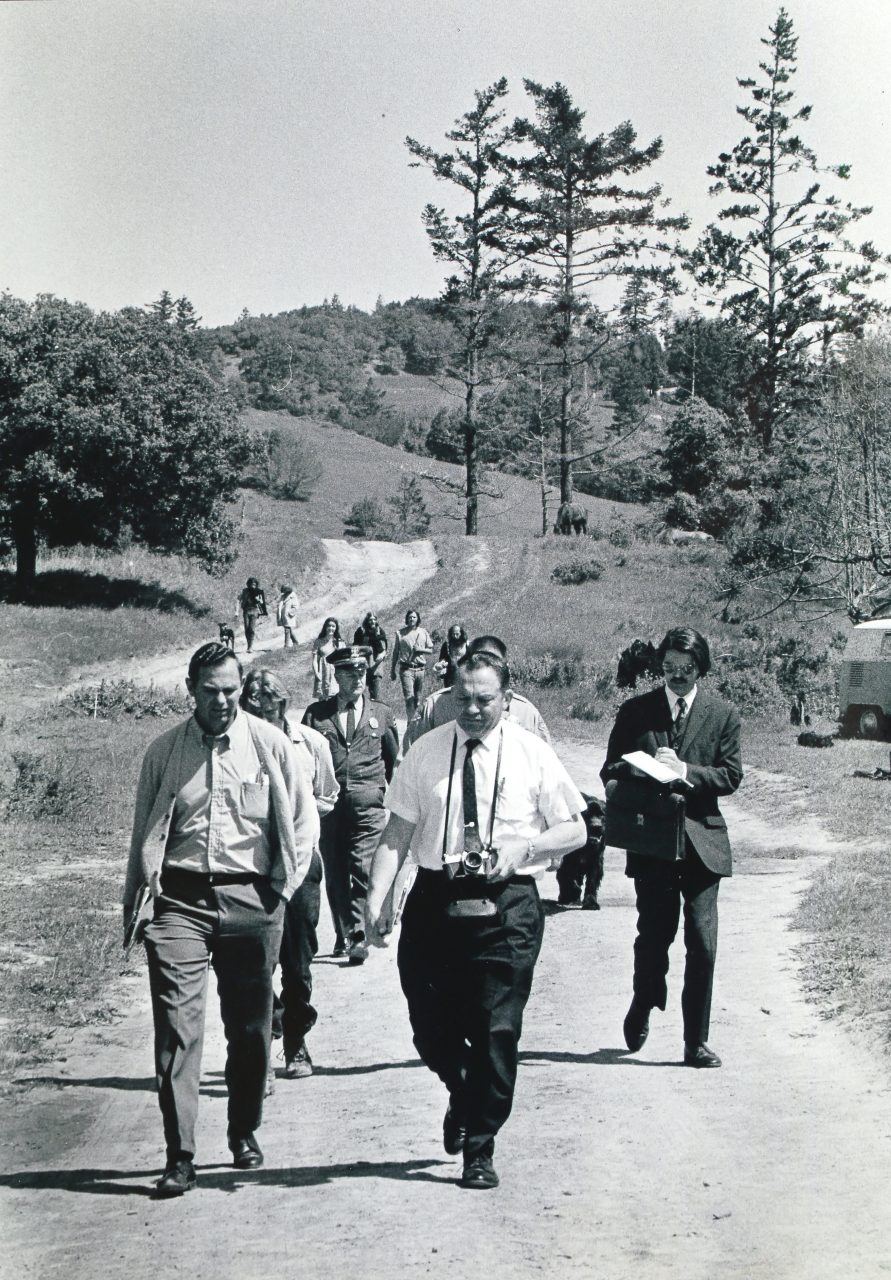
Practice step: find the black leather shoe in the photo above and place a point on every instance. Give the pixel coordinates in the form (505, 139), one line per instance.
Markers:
(358, 953)
(636, 1026)
(246, 1153)
(700, 1055)
(178, 1178)
(479, 1174)
(453, 1131)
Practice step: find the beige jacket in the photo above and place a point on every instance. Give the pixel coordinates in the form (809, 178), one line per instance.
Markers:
(295, 825)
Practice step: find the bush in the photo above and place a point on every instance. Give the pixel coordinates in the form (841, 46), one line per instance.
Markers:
(48, 787)
(598, 697)
(366, 519)
(115, 699)
(579, 569)
(681, 511)
(548, 670)
(285, 466)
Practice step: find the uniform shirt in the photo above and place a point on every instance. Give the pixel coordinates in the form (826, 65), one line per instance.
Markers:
(358, 704)
(221, 812)
(441, 708)
(534, 790)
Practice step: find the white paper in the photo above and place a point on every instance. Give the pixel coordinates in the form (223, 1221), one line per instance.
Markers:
(653, 768)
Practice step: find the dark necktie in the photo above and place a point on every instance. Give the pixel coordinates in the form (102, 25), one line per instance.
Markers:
(468, 784)
(351, 721)
(679, 721)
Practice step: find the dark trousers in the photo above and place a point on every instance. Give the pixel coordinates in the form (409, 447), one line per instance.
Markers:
(293, 1015)
(467, 982)
(237, 928)
(660, 888)
(349, 837)
(373, 681)
(250, 628)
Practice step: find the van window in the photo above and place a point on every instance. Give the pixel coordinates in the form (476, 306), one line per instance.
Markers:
(886, 644)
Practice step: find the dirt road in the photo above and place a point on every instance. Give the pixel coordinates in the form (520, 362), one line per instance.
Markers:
(356, 577)
(775, 1167)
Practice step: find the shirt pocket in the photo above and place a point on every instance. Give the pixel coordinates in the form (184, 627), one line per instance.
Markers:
(255, 801)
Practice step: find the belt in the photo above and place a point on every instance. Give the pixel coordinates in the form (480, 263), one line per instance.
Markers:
(212, 878)
(466, 880)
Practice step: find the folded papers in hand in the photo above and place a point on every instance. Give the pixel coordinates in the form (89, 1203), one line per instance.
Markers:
(653, 768)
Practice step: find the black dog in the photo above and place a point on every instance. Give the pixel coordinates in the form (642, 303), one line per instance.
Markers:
(635, 662)
(580, 873)
(227, 635)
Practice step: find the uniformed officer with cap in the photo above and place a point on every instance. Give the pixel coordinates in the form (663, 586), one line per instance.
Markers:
(364, 745)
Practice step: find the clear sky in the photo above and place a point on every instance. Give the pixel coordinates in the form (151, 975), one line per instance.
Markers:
(250, 153)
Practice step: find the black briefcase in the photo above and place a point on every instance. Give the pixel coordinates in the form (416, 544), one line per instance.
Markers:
(645, 817)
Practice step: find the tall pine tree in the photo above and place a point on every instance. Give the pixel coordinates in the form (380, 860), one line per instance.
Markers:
(779, 255)
(581, 225)
(477, 245)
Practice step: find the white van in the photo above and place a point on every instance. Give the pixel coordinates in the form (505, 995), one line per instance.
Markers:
(864, 692)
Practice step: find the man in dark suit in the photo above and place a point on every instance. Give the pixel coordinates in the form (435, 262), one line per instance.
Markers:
(697, 736)
(364, 745)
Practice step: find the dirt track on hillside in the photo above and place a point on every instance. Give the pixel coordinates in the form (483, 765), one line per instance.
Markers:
(356, 577)
(612, 1165)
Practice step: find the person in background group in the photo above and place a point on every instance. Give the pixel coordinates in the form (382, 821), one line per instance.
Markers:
(697, 735)
(286, 613)
(328, 639)
(453, 649)
(364, 745)
(482, 793)
(441, 707)
(293, 1016)
(372, 635)
(223, 833)
(252, 603)
(410, 652)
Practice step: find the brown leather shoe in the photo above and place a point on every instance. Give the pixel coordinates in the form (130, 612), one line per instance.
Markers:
(700, 1055)
(636, 1026)
(178, 1178)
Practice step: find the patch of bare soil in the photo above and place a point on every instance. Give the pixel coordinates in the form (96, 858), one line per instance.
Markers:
(774, 1168)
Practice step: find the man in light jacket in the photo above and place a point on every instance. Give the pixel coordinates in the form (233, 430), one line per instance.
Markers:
(223, 833)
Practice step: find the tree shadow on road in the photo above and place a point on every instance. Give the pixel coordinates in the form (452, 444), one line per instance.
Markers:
(129, 1084)
(111, 1182)
(599, 1058)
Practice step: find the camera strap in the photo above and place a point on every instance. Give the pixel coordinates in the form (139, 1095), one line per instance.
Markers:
(445, 829)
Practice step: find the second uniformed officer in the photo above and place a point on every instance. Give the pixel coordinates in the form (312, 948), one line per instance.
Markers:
(364, 745)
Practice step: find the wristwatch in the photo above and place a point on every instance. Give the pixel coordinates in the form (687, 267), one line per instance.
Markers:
(530, 850)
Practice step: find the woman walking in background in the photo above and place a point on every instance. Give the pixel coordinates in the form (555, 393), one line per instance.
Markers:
(410, 650)
(286, 615)
(371, 633)
(453, 649)
(328, 639)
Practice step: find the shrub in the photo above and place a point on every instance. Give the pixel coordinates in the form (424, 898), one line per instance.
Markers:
(548, 670)
(115, 699)
(48, 787)
(579, 569)
(366, 519)
(285, 466)
(598, 697)
(410, 516)
(681, 511)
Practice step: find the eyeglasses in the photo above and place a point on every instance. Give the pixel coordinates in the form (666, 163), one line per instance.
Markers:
(680, 672)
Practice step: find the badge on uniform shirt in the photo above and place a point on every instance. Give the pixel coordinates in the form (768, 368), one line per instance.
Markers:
(372, 720)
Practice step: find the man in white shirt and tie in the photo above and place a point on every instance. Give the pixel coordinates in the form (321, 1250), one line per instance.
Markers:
(485, 807)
